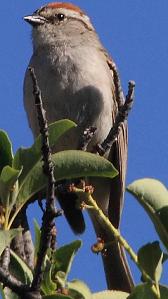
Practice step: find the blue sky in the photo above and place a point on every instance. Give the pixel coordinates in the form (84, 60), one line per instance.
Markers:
(135, 34)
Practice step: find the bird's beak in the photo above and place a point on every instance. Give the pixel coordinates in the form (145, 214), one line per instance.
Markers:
(35, 20)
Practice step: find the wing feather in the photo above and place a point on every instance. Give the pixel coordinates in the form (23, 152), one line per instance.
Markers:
(118, 152)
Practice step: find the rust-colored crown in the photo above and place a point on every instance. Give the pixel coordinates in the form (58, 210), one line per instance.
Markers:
(66, 5)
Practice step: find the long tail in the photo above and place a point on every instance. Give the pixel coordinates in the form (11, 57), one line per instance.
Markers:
(118, 275)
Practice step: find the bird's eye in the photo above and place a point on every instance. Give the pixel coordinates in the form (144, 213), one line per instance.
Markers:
(60, 16)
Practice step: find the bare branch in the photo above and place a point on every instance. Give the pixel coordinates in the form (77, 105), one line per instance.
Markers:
(50, 212)
(5, 259)
(28, 243)
(117, 84)
(86, 138)
(11, 282)
(120, 118)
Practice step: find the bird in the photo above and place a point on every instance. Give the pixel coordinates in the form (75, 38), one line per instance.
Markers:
(75, 75)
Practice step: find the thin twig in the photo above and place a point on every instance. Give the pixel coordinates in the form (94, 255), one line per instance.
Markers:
(86, 138)
(22, 244)
(28, 248)
(17, 244)
(48, 168)
(53, 238)
(117, 84)
(6, 259)
(11, 282)
(86, 193)
(120, 119)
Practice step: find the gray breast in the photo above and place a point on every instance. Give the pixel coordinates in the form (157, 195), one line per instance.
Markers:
(73, 87)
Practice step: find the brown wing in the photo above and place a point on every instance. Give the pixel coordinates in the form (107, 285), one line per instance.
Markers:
(118, 153)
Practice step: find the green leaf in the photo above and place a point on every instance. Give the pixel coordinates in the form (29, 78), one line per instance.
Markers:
(48, 287)
(79, 290)
(153, 191)
(19, 269)
(144, 291)
(73, 164)
(63, 257)
(110, 295)
(150, 258)
(60, 277)
(153, 196)
(6, 237)
(2, 291)
(9, 294)
(57, 296)
(68, 164)
(6, 153)
(8, 179)
(28, 157)
(37, 237)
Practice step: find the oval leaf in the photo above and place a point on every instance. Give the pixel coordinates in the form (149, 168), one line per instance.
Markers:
(153, 196)
(48, 286)
(110, 295)
(6, 153)
(6, 237)
(37, 238)
(144, 291)
(79, 290)
(67, 165)
(63, 257)
(8, 179)
(150, 258)
(20, 269)
(28, 157)
(57, 296)
(9, 294)
(73, 164)
(151, 191)
(2, 293)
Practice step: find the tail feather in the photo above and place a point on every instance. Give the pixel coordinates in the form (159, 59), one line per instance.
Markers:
(73, 215)
(118, 274)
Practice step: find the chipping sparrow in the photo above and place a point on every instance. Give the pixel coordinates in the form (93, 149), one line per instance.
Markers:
(76, 78)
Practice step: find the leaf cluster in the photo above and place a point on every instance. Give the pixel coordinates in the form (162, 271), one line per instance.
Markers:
(22, 178)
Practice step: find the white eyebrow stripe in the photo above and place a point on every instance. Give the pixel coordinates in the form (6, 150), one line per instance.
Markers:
(76, 15)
